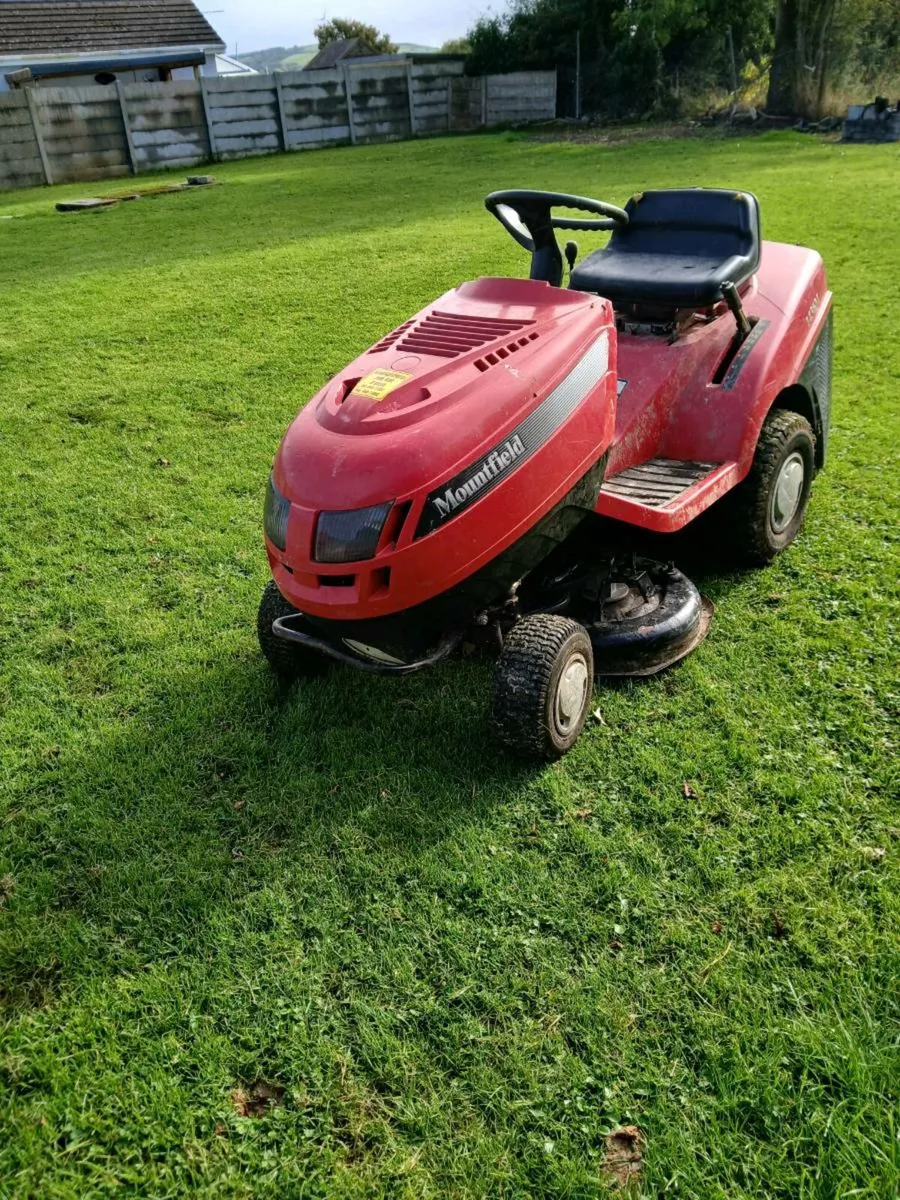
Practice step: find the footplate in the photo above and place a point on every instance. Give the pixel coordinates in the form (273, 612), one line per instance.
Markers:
(658, 481)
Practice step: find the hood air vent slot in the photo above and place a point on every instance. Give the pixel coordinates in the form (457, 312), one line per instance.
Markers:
(448, 335)
(388, 341)
(495, 356)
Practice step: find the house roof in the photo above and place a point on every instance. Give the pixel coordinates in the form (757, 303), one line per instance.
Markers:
(226, 65)
(56, 27)
(332, 53)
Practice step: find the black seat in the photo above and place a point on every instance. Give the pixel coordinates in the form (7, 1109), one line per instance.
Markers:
(679, 247)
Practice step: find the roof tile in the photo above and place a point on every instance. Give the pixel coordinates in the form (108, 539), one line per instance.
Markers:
(31, 27)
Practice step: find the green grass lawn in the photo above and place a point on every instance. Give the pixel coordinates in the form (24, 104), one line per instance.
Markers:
(421, 969)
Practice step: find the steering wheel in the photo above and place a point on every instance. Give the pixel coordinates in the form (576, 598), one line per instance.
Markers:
(527, 216)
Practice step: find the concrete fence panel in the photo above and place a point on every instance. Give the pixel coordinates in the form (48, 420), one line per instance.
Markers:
(467, 102)
(70, 134)
(168, 124)
(243, 120)
(315, 110)
(82, 132)
(525, 96)
(380, 101)
(20, 157)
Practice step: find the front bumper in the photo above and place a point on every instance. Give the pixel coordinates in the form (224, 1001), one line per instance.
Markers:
(289, 629)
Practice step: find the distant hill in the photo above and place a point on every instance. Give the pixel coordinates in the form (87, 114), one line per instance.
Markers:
(299, 58)
(292, 58)
(274, 57)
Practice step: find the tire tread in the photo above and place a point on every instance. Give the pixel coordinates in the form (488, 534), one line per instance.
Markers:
(522, 681)
(747, 509)
(286, 660)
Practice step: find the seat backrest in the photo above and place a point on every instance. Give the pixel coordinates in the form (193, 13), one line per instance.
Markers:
(710, 223)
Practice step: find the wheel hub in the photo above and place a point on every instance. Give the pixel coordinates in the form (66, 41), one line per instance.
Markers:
(787, 492)
(570, 692)
(616, 590)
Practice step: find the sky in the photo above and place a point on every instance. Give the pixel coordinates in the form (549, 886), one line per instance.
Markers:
(252, 25)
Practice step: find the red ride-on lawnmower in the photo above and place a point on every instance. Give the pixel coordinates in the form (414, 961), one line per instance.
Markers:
(445, 485)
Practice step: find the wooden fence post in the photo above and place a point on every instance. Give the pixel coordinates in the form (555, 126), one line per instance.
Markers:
(412, 102)
(129, 141)
(282, 119)
(213, 153)
(484, 106)
(348, 92)
(38, 136)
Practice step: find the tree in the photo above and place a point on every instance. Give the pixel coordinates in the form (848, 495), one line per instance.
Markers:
(638, 57)
(337, 29)
(800, 58)
(652, 57)
(456, 46)
(849, 45)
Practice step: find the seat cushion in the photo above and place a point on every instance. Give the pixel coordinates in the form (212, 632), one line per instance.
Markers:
(677, 250)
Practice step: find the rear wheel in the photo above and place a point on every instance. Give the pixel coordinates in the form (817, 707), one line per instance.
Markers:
(287, 659)
(542, 686)
(765, 511)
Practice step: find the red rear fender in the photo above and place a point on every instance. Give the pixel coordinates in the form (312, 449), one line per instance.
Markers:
(695, 399)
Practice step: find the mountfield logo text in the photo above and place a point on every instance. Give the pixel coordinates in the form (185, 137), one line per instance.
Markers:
(495, 464)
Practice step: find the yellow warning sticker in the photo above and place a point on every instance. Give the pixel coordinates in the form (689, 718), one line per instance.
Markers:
(379, 384)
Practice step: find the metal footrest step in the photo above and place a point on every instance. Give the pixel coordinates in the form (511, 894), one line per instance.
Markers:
(658, 481)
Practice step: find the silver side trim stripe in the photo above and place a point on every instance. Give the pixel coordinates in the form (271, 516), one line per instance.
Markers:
(476, 480)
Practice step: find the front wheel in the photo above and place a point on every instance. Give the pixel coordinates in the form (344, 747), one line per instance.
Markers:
(542, 686)
(765, 511)
(287, 659)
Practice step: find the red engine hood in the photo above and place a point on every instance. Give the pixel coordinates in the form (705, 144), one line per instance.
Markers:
(430, 396)
(476, 417)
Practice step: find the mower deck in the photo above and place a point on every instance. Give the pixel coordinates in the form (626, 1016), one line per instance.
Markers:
(642, 616)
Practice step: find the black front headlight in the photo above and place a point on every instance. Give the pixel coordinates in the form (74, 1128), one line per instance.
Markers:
(350, 536)
(275, 515)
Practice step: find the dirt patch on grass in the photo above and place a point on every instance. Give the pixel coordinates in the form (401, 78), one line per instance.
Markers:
(29, 986)
(663, 131)
(624, 1157)
(621, 135)
(255, 1099)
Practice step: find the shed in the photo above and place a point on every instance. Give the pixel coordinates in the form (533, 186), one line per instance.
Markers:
(339, 51)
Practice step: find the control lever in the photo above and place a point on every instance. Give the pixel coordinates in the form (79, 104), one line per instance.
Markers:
(733, 300)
